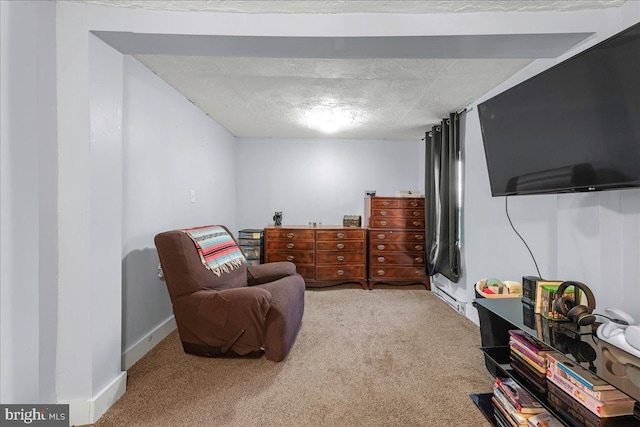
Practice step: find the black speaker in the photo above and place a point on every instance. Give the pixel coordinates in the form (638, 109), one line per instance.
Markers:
(529, 289)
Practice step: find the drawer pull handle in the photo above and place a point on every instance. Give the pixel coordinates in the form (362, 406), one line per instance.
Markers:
(383, 222)
(418, 273)
(381, 236)
(380, 272)
(290, 235)
(340, 258)
(419, 247)
(340, 272)
(416, 213)
(340, 246)
(414, 204)
(340, 235)
(383, 213)
(385, 203)
(418, 259)
(381, 247)
(290, 258)
(416, 224)
(419, 236)
(290, 245)
(381, 259)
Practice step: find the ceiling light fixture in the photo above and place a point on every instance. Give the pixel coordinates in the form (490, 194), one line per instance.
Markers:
(329, 117)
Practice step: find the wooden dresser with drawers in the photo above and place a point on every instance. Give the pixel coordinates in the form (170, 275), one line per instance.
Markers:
(324, 256)
(396, 228)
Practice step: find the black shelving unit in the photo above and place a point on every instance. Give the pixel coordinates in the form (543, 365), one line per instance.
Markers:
(500, 362)
(484, 403)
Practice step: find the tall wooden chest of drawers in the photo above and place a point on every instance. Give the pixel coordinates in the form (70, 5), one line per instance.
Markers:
(324, 256)
(396, 227)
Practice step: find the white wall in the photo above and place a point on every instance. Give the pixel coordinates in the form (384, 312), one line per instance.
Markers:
(599, 244)
(28, 260)
(170, 148)
(320, 180)
(592, 238)
(105, 120)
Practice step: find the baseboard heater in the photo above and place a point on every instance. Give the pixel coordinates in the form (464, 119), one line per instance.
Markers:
(453, 302)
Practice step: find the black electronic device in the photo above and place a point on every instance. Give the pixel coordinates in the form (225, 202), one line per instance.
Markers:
(529, 295)
(529, 289)
(573, 127)
(581, 315)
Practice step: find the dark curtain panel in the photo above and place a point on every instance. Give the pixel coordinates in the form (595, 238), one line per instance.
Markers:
(442, 199)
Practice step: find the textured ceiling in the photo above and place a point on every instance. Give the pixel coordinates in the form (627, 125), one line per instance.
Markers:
(371, 98)
(283, 93)
(359, 6)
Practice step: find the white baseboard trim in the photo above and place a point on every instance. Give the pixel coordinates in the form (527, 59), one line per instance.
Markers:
(142, 347)
(82, 412)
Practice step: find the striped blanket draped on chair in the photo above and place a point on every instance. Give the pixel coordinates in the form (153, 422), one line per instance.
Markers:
(218, 251)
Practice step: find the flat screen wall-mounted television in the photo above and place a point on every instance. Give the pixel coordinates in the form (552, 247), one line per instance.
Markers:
(573, 127)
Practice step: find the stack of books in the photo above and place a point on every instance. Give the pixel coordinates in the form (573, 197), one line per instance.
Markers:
(566, 405)
(577, 391)
(513, 405)
(528, 358)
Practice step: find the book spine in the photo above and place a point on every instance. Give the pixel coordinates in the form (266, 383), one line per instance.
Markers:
(527, 359)
(584, 399)
(562, 401)
(601, 395)
(622, 406)
(586, 384)
(596, 394)
(561, 367)
(539, 302)
(538, 359)
(543, 287)
(507, 418)
(519, 398)
(546, 300)
(526, 342)
(507, 406)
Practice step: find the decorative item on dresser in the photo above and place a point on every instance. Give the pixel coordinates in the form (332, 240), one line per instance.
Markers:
(324, 256)
(396, 227)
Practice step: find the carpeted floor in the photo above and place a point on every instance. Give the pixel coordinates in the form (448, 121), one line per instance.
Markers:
(362, 358)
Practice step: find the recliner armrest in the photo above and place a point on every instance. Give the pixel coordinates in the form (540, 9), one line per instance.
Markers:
(269, 272)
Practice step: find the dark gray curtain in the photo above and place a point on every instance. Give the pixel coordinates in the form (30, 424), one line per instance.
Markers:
(442, 199)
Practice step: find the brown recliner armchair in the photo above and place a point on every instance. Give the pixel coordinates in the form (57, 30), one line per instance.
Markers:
(243, 311)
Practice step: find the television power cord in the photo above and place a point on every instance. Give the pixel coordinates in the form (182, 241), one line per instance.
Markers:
(506, 209)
